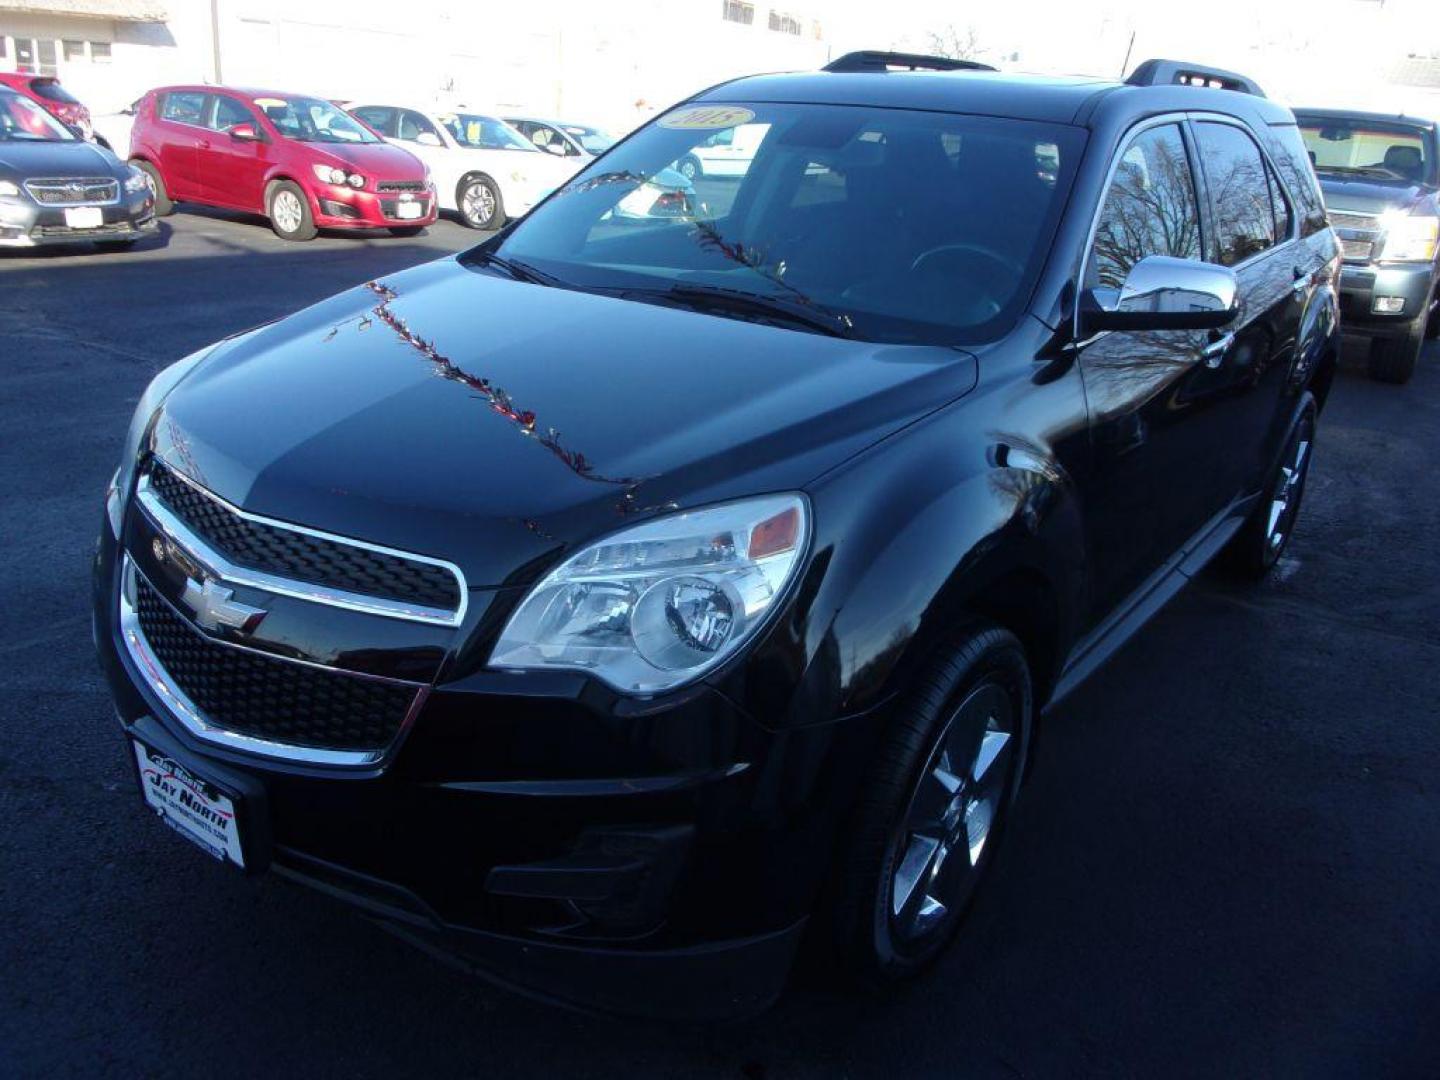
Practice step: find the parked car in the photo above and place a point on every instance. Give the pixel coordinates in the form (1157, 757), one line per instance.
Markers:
(56, 188)
(578, 141)
(1380, 173)
(483, 168)
(614, 605)
(727, 153)
(303, 162)
(46, 91)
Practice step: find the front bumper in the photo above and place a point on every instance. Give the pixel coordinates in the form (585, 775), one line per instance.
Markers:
(343, 207)
(26, 223)
(658, 863)
(1412, 284)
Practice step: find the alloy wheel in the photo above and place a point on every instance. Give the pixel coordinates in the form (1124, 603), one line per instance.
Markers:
(954, 809)
(287, 211)
(1289, 486)
(478, 204)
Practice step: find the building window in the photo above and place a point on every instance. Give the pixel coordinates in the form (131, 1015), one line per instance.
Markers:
(73, 51)
(739, 12)
(46, 51)
(100, 52)
(4, 46)
(785, 24)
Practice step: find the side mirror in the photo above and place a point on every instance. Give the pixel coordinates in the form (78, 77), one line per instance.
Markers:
(428, 138)
(1164, 293)
(555, 148)
(244, 133)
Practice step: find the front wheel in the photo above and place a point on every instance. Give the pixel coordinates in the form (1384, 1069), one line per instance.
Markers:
(929, 817)
(690, 168)
(481, 206)
(289, 213)
(1393, 359)
(164, 205)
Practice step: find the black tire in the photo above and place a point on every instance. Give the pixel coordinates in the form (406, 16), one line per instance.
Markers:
(289, 212)
(1432, 324)
(1256, 548)
(1393, 359)
(407, 230)
(690, 167)
(164, 207)
(478, 198)
(983, 664)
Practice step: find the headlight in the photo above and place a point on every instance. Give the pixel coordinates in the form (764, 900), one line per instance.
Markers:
(7, 188)
(154, 396)
(355, 180)
(328, 174)
(659, 605)
(136, 182)
(1409, 237)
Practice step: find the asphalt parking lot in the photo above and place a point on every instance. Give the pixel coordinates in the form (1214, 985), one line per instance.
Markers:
(1227, 861)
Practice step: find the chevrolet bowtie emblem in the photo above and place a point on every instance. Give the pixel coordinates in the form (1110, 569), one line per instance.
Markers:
(214, 607)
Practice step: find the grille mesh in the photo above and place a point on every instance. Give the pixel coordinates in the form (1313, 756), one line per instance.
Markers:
(302, 557)
(271, 699)
(400, 185)
(73, 192)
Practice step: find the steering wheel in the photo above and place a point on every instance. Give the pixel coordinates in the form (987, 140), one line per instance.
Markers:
(1006, 266)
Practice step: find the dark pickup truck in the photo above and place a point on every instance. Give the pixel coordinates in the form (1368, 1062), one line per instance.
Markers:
(1380, 174)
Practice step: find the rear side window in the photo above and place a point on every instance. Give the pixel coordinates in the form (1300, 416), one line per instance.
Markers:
(379, 117)
(51, 90)
(1150, 209)
(182, 106)
(1240, 192)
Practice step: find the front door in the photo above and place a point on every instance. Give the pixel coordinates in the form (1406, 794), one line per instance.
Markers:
(232, 171)
(1156, 476)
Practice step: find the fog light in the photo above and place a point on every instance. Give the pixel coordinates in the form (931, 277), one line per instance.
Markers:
(1388, 305)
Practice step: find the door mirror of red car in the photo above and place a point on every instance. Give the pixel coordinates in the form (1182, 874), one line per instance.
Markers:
(245, 133)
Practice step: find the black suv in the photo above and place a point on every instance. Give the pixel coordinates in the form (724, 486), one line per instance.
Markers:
(1380, 174)
(616, 602)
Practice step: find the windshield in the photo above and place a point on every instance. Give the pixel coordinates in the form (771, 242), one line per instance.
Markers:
(593, 140)
(484, 132)
(51, 90)
(21, 120)
(1385, 151)
(900, 226)
(312, 120)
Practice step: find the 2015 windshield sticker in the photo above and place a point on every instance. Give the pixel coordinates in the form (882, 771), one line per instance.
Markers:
(706, 117)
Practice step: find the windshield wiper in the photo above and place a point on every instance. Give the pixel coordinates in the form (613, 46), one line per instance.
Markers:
(520, 271)
(740, 302)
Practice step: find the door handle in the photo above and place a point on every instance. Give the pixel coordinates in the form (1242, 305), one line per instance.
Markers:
(203, 145)
(1302, 281)
(1214, 353)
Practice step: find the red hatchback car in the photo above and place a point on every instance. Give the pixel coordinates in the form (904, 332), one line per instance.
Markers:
(301, 161)
(46, 91)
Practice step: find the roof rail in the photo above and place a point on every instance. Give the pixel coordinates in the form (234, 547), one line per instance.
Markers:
(1180, 73)
(873, 60)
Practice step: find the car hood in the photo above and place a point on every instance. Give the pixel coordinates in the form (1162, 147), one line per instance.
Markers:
(1369, 195)
(27, 159)
(450, 412)
(380, 160)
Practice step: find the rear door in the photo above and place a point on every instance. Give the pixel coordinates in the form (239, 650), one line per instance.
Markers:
(1154, 485)
(1254, 231)
(232, 171)
(179, 129)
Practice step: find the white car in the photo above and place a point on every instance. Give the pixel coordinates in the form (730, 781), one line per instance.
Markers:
(482, 167)
(581, 143)
(727, 153)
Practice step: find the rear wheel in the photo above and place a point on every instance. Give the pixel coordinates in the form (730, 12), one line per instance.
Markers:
(1393, 359)
(163, 205)
(289, 212)
(479, 201)
(690, 167)
(928, 820)
(1266, 532)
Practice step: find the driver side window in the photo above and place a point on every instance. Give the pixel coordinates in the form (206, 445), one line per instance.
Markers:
(1150, 209)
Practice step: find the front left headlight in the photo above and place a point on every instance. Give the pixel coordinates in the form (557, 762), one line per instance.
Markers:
(136, 182)
(659, 605)
(10, 189)
(1409, 237)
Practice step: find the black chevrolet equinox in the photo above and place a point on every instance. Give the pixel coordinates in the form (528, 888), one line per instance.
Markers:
(663, 582)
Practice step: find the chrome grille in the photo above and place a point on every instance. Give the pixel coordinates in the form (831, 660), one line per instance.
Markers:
(1359, 234)
(74, 191)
